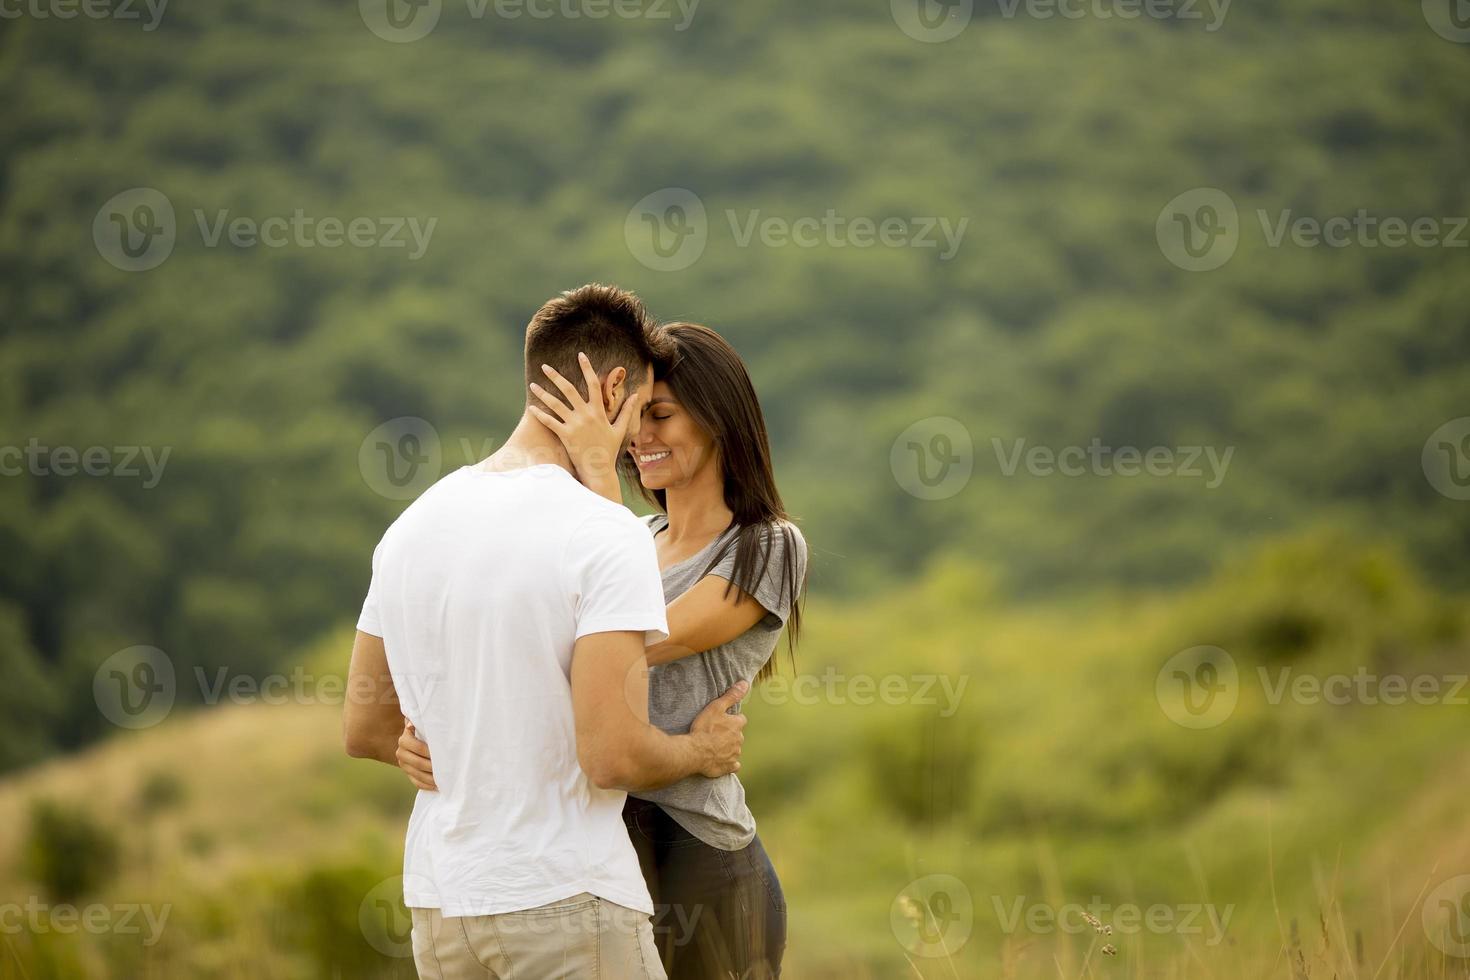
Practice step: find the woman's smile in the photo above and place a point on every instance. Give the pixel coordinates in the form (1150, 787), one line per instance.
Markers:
(649, 459)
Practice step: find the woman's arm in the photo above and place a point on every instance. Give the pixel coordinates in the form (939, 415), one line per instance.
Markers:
(704, 618)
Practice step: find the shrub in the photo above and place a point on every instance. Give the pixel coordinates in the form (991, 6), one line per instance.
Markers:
(67, 852)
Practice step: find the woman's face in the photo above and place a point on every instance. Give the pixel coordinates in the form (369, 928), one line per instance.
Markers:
(670, 448)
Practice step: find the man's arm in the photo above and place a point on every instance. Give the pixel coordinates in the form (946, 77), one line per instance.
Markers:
(616, 746)
(371, 717)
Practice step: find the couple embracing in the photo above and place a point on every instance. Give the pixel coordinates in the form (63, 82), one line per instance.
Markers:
(562, 680)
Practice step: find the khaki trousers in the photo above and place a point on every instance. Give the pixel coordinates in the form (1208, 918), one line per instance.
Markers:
(577, 938)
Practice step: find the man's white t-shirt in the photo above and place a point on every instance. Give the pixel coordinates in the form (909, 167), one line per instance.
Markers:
(479, 590)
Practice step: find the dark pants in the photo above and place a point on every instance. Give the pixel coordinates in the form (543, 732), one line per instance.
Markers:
(717, 914)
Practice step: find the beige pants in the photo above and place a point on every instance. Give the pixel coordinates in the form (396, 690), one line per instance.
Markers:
(579, 937)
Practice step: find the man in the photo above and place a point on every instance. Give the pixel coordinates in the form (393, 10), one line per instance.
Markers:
(506, 619)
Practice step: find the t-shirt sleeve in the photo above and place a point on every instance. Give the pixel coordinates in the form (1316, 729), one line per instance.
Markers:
(773, 589)
(615, 578)
(370, 619)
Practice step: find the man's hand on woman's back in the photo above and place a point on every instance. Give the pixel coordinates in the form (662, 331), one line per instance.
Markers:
(720, 734)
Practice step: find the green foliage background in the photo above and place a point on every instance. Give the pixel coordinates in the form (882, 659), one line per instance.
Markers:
(1058, 322)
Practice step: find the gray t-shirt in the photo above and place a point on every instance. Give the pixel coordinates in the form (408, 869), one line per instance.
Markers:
(714, 810)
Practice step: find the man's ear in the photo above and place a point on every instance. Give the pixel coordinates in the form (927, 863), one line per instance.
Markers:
(615, 382)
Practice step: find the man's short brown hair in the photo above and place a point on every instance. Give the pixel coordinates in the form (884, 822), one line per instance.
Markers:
(610, 325)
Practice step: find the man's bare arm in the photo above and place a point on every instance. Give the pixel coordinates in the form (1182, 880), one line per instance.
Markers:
(371, 718)
(616, 745)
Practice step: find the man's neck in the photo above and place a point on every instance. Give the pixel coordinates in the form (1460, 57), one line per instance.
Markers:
(529, 444)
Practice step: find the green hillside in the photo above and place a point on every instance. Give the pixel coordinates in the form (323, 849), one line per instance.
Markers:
(1058, 320)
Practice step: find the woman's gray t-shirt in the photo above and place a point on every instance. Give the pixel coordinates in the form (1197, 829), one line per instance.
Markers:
(714, 810)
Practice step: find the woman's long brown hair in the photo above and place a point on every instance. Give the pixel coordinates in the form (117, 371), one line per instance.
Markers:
(709, 379)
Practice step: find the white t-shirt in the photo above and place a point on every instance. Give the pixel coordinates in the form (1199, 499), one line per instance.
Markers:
(479, 590)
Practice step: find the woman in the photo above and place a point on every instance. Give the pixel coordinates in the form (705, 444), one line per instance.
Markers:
(734, 568)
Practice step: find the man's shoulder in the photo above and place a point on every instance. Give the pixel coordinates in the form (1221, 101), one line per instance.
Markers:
(592, 513)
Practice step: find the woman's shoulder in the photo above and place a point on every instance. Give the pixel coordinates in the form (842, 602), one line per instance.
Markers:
(783, 535)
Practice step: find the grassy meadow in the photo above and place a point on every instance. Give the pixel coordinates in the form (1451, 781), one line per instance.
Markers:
(1040, 768)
